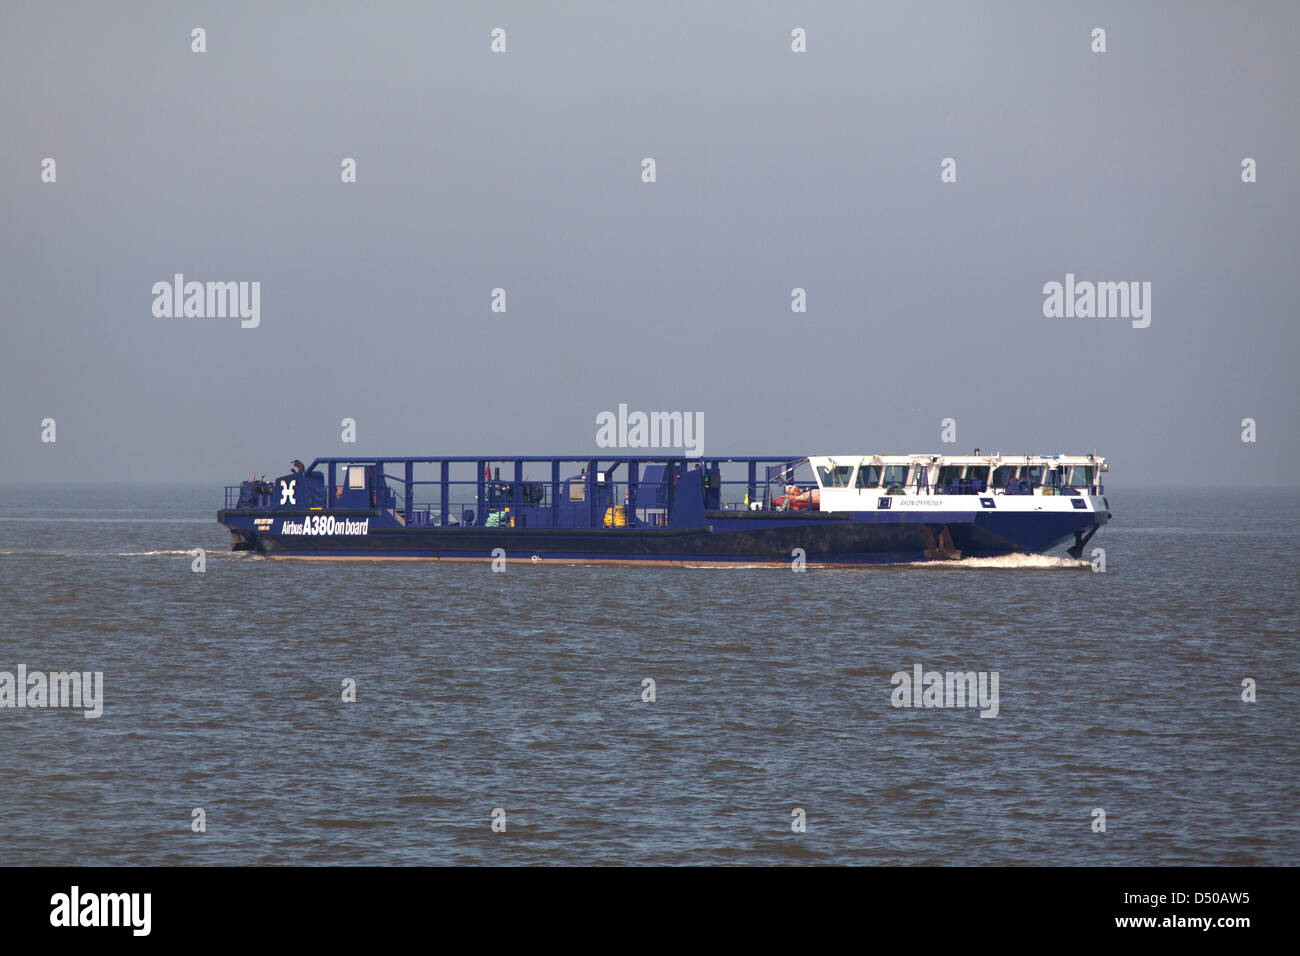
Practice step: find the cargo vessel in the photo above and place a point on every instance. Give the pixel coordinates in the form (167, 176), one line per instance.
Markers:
(831, 510)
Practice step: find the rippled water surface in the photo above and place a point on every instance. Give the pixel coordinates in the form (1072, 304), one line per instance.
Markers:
(522, 691)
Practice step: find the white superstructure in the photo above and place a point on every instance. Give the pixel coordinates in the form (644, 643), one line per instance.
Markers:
(938, 483)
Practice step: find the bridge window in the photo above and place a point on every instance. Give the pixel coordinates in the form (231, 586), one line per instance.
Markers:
(835, 476)
(980, 472)
(1080, 475)
(895, 475)
(1003, 475)
(869, 476)
(948, 474)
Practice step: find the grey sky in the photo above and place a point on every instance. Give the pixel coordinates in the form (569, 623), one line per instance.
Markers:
(522, 171)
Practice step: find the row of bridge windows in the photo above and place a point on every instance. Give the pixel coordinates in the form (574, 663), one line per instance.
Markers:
(877, 476)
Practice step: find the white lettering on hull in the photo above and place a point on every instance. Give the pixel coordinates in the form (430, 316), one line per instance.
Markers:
(325, 525)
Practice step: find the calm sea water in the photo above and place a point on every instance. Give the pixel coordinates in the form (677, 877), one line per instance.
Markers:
(522, 691)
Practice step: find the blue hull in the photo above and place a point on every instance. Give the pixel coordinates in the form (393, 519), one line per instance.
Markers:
(825, 538)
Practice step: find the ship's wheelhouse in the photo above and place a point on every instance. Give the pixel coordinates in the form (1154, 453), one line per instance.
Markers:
(842, 481)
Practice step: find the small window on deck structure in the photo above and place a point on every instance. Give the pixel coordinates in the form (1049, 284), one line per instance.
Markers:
(895, 475)
(1080, 475)
(948, 474)
(835, 476)
(869, 476)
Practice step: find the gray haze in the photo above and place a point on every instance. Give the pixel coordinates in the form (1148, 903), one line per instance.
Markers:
(522, 171)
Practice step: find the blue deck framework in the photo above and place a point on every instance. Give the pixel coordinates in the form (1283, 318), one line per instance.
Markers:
(558, 500)
(649, 509)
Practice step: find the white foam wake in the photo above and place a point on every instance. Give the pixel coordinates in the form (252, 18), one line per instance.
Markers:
(1010, 561)
(145, 554)
(1013, 561)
